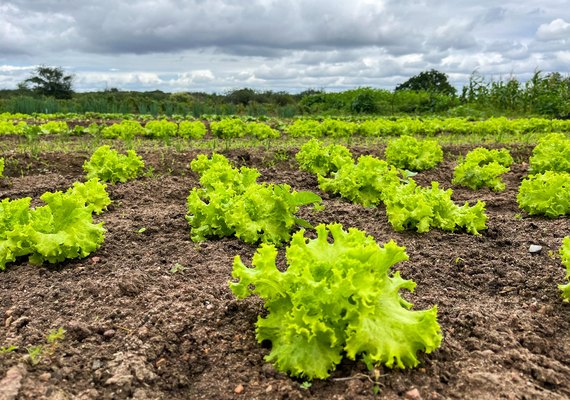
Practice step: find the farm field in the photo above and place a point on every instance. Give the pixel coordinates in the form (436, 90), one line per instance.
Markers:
(150, 315)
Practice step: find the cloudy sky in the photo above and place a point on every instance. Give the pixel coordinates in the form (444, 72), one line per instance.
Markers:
(219, 45)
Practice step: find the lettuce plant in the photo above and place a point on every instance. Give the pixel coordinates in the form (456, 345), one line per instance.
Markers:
(407, 152)
(410, 206)
(322, 160)
(545, 194)
(62, 229)
(1, 167)
(54, 127)
(261, 131)
(191, 129)
(335, 298)
(229, 128)
(336, 128)
(161, 129)
(126, 130)
(364, 182)
(231, 202)
(303, 127)
(10, 128)
(110, 166)
(483, 167)
(551, 154)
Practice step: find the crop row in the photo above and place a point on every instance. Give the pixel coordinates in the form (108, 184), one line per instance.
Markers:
(228, 128)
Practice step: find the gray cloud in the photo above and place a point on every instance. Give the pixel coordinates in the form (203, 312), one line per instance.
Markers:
(216, 45)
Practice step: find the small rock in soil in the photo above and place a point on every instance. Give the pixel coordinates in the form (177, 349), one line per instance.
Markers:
(534, 249)
(44, 377)
(239, 389)
(109, 333)
(413, 394)
(12, 382)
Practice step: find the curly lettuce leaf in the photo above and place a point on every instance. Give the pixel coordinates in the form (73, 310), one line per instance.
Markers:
(63, 229)
(407, 152)
(364, 182)
(551, 154)
(545, 194)
(335, 297)
(60, 230)
(110, 166)
(231, 202)
(410, 206)
(323, 160)
(14, 215)
(93, 193)
(483, 167)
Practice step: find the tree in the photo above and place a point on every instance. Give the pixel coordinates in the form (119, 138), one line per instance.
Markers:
(49, 81)
(431, 81)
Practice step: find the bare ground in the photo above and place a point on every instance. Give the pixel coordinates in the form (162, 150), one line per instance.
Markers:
(137, 330)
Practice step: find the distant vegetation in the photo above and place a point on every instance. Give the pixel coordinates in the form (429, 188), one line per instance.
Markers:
(426, 93)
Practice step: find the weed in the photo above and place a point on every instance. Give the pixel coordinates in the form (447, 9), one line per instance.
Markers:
(177, 268)
(35, 354)
(305, 385)
(8, 349)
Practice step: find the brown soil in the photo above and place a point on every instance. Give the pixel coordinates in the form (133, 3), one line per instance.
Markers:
(137, 330)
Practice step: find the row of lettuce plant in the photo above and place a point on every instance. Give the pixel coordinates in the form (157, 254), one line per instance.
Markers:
(63, 228)
(230, 128)
(546, 190)
(337, 296)
(371, 181)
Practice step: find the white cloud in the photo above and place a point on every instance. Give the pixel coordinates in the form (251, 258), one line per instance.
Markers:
(214, 45)
(555, 30)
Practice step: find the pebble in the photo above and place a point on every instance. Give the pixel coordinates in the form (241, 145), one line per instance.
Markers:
(12, 382)
(44, 377)
(413, 394)
(534, 249)
(238, 389)
(109, 333)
